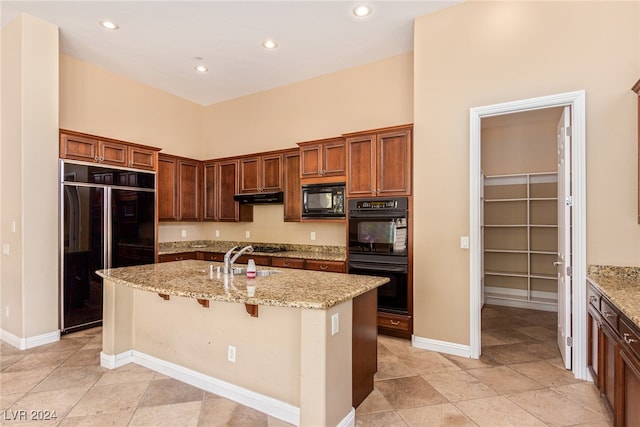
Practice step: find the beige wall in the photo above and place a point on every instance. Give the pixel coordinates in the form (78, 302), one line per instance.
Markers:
(366, 97)
(482, 53)
(29, 170)
(96, 101)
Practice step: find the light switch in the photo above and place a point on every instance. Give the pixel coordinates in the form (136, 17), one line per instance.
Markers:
(184, 233)
(464, 242)
(217, 233)
(247, 234)
(313, 235)
(5, 249)
(335, 323)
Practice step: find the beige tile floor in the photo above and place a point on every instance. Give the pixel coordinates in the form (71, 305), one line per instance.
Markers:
(518, 381)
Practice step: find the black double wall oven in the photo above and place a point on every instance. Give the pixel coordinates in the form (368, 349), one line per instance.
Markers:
(378, 233)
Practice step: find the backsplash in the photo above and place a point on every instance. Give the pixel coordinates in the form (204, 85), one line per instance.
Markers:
(224, 246)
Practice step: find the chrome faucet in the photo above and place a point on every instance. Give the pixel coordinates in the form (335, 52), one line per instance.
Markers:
(228, 260)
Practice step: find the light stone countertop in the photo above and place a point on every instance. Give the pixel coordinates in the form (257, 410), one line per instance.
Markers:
(287, 288)
(621, 285)
(311, 252)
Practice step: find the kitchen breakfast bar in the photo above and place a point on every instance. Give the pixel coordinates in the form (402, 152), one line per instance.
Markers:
(296, 344)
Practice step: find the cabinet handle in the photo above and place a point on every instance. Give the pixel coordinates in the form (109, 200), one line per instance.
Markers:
(556, 263)
(608, 314)
(286, 264)
(394, 322)
(628, 339)
(324, 267)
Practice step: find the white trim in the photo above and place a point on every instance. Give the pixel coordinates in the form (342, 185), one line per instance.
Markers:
(276, 408)
(578, 231)
(441, 346)
(29, 342)
(349, 420)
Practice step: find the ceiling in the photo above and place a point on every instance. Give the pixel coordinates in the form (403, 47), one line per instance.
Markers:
(160, 42)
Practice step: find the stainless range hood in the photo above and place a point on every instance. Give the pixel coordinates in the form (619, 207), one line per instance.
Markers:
(259, 198)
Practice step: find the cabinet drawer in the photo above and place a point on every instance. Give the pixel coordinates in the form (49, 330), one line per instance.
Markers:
(390, 321)
(177, 257)
(609, 314)
(593, 297)
(630, 336)
(333, 266)
(258, 259)
(287, 262)
(211, 256)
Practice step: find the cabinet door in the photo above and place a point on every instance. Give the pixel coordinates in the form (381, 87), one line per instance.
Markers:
(271, 172)
(394, 164)
(78, 148)
(333, 158)
(250, 175)
(112, 153)
(593, 332)
(141, 158)
(628, 411)
(361, 167)
(226, 187)
(188, 190)
(608, 345)
(210, 178)
(310, 158)
(292, 187)
(166, 188)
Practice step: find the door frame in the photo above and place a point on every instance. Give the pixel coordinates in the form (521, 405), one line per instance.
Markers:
(578, 216)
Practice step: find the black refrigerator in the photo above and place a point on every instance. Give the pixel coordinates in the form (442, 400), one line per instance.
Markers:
(107, 218)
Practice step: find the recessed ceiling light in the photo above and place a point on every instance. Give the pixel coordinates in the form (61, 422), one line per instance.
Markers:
(201, 68)
(109, 25)
(269, 44)
(362, 11)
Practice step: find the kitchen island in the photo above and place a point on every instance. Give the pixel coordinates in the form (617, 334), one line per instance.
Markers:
(298, 345)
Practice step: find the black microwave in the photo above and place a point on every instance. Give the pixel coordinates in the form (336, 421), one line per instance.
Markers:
(323, 201)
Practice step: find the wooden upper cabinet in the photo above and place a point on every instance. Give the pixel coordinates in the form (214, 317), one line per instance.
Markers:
(166, 188)
(379, 162)
(89, 148)
(189, 190)
(323, 158)
(292, 187)
(178, 189)
(227, 208)
(261, 173)
(209, 181)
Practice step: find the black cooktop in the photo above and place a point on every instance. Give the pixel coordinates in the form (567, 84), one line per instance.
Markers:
(269, 249)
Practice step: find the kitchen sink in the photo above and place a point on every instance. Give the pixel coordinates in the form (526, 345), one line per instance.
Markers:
(259, 272)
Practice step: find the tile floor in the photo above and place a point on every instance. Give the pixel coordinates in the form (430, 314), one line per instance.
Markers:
(518, 381)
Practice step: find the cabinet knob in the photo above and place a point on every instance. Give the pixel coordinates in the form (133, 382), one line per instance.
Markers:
(95, 159)
(593, 298)
(628, 339)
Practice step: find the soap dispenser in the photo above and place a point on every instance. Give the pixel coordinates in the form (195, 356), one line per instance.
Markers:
(251, 269)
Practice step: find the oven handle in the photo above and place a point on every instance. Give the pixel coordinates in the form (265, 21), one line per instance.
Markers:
(378, 214)
(394, 268)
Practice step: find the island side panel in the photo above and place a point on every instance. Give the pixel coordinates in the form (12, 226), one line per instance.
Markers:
(117, 321)
(183, 332)
(325, 375)
(365, 344)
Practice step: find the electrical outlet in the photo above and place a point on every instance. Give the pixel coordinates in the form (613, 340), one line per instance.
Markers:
(335, 323)
(247, 234)
(184, 233)
(5, 249)
(464, 242)
(217, 233)
(231, 354)
(313, 235)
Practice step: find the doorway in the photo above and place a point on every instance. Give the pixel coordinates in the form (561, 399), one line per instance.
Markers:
(576, 298)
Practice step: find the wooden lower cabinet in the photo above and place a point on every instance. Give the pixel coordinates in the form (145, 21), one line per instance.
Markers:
(364, 357)
(211, 256)
(287, 262)
(177, 257)
(613, 358)
(394, 324)
(333, 266)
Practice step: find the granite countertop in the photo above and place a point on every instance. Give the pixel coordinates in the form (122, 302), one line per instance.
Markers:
(621, 285)
(287, 288)
(312, 252)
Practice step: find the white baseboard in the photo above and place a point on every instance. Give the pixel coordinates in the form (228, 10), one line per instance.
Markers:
(441, 346)
(29, 342)
(349, 420)
(260, 402)
(507, 297)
